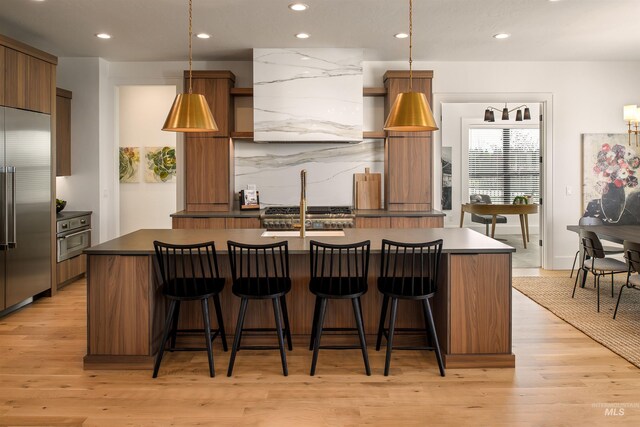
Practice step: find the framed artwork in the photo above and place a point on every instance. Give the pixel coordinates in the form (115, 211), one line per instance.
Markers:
(446, 178)
(610, 169)
(129, 164)
(160, 164)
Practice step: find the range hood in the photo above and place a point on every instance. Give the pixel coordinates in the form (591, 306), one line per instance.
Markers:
(307, 95)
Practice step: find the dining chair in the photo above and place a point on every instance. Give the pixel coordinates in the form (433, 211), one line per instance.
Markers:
(632, 255)
(608, 250)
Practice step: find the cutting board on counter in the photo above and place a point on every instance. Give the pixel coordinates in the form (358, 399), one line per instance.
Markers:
(368, 190)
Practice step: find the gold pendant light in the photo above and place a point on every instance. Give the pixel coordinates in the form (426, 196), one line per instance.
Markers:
(410, 111)
(190, 111)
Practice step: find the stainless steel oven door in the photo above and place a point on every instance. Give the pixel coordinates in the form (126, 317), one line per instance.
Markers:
(73, 244)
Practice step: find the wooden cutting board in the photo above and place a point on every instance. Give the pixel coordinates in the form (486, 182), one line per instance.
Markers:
(368, 190)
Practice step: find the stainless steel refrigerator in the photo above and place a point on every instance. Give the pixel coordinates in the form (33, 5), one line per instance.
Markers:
(25, 205)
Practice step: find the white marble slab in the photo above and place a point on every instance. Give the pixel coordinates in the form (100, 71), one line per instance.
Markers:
(275, 169)
(307, 95)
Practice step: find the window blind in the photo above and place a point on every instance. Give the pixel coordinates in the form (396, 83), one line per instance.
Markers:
(504, 163)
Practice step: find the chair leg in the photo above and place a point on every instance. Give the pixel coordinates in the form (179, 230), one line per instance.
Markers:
(174, 327)
(363, 342)
(383, 318)
(486, 229)
(207, 334)
(575, 284)
(285, 316)
(283, 353)
(392, 327)
(432, 330)
(426, 327)
(612, 285)
(236, 338)
(316, 312)
(575, 258)
(165, 337)
(223, 335)
(618, 303)
(598, 290)
(316, 344)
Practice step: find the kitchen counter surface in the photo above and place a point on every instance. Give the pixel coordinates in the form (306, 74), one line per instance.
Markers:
(363, 213)
(456, 240)
(71, 214)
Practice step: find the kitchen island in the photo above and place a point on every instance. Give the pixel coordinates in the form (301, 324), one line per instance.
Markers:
(472, 307)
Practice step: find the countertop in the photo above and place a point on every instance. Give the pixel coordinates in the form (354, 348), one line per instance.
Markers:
(71, 214)
(236, 213)
(456, 240)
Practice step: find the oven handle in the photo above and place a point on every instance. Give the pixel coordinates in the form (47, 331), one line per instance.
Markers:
(74, 234)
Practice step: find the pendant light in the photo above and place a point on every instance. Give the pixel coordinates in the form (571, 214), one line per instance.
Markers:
(190, 111)
(410, 111)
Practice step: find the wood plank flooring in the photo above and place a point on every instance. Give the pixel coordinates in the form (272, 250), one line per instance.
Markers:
(562, 378)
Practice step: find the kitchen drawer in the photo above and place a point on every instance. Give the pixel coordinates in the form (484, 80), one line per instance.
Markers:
(71, 268)
(373, 222)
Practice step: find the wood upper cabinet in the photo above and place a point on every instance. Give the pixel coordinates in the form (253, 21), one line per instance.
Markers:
(408, 155)
(208, 174)
(27, 83)
(215, 86)
(63, 132)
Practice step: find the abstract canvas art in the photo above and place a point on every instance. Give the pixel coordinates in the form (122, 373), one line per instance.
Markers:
(446, 178)
(610, 169)
(129, 164)
(160, 164)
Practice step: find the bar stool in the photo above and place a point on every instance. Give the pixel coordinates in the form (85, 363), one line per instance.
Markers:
(189, 273)
(408, 271)
(261, 272)
(338, 272)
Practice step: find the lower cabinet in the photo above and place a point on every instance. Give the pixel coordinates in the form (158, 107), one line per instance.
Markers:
(399, 222)
(71, 269)
(215, 223)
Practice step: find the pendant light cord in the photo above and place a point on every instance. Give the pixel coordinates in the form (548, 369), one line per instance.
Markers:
(190, 37)
(410, 45)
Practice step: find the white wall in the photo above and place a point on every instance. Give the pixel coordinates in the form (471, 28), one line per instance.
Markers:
(140, 110)
(583, 97)
(81, 190)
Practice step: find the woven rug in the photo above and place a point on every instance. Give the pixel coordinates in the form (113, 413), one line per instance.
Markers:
(622, 335)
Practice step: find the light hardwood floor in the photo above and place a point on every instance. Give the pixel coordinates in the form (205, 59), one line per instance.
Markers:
(562, 378)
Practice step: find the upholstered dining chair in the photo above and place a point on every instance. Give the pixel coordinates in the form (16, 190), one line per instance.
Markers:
(485, 219)
(632, 254)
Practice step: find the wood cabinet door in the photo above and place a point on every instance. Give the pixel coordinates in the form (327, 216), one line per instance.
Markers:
(373, 222)
(216, 92)
(207, 172)
(242, 223)
(63, 134)
(198, 223)
(409, 170)
(416, 222)
(27, 83)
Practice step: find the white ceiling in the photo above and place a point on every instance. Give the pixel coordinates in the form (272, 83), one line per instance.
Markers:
(444, 30)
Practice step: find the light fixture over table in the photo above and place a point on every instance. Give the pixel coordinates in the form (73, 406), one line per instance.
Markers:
(190, 111)
(632, 117)
(410, 111)
(490, 117)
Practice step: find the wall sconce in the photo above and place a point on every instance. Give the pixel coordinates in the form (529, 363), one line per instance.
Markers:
(490, 117)
(632, 117)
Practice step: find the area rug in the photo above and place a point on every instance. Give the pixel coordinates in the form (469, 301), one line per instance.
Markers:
(622, 335)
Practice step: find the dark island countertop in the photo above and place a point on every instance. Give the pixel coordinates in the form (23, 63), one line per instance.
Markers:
(456, 240)
(71, 214)
(363, 213)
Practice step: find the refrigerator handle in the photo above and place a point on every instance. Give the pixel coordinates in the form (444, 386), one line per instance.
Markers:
(4, 222)
(11, 218)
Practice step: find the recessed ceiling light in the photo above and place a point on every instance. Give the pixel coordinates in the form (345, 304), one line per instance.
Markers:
(203, 36)
(302, 35)
(401, 35)
(500, 36)
(298, 7)
(103, 36)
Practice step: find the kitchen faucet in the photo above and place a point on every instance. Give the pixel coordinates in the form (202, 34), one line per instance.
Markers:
(303, 202)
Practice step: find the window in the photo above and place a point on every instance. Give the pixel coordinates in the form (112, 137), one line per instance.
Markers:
(504, 163)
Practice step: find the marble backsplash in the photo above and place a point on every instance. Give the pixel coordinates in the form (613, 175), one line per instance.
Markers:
(275, 170)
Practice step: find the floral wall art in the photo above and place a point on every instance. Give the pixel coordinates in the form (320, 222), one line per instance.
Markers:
(129, 164)
(161, 164)
(610, 170)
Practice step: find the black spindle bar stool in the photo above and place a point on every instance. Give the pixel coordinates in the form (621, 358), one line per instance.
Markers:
(189, 273)
(408, 271)
(338, 272)
(261, 272)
